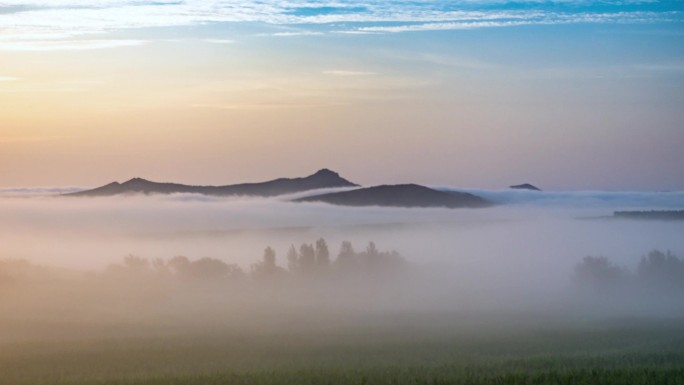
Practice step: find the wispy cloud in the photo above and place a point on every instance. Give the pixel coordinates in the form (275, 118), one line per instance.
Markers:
(297, 33)
(219, 41)
(356, 32)
(537, 18)
(605, 199)
(42, 20)
(36, 191)
(444, 26)
(9, 79)
(67, 45)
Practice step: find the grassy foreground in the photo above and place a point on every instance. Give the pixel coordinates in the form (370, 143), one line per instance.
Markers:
(643, 352)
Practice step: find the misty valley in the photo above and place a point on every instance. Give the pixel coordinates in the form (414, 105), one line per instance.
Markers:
(188, 288)
(350, 192)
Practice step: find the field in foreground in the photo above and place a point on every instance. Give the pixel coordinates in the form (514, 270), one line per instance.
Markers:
(439, 350)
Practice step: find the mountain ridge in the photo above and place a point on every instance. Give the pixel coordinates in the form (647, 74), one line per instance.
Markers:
(401, 195)
(323, 178)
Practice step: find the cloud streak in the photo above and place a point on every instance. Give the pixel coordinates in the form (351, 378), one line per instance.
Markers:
(500, 21)
(582, 199)
(296, 33)
(26, 21)
(219, 41)
(67, 45)
(25, 192)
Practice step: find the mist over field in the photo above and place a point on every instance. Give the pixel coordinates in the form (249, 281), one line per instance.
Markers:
(158, 226)
(121, 280)
(510, 256)
(526, 228)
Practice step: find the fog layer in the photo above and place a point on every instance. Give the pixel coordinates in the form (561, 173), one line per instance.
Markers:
(515, 258)
(555, 229)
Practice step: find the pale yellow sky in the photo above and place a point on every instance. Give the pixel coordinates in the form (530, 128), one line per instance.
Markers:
(222, 103)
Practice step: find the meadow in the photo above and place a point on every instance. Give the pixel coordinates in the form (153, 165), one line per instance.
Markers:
(403, 349)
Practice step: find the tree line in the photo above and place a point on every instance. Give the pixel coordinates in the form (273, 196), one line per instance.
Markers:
(307, 260)
(657, 271)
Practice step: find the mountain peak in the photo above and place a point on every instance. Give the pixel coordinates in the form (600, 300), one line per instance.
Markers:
(325, 172)
(525, 186)
(323, 178)
(135, 181)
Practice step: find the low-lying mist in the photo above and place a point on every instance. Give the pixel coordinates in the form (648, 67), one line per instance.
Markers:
(195, 261)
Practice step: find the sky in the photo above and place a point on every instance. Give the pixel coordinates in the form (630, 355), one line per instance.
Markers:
(567, 94)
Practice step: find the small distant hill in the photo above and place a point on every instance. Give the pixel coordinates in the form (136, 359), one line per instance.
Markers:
(322, 179)
(403, 195)
(525, 186)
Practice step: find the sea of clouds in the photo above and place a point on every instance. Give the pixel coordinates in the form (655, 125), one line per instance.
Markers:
(513, 257)
(526, 229)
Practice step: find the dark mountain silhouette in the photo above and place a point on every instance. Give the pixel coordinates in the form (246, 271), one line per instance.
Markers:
(403, 195)
(322, 179)
(525, 186)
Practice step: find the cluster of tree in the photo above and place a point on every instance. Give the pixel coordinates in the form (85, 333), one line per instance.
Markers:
(180, 266)
(15, 269)
(307, 260)
(315, 259)
(656, 271)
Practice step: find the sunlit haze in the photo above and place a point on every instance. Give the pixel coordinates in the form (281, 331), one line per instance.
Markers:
(570, 95)
(403, 192)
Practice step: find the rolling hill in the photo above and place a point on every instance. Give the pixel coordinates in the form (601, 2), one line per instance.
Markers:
(403, 195)
(322, 179)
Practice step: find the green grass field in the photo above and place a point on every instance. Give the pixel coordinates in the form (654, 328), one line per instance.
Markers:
(382, 352)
